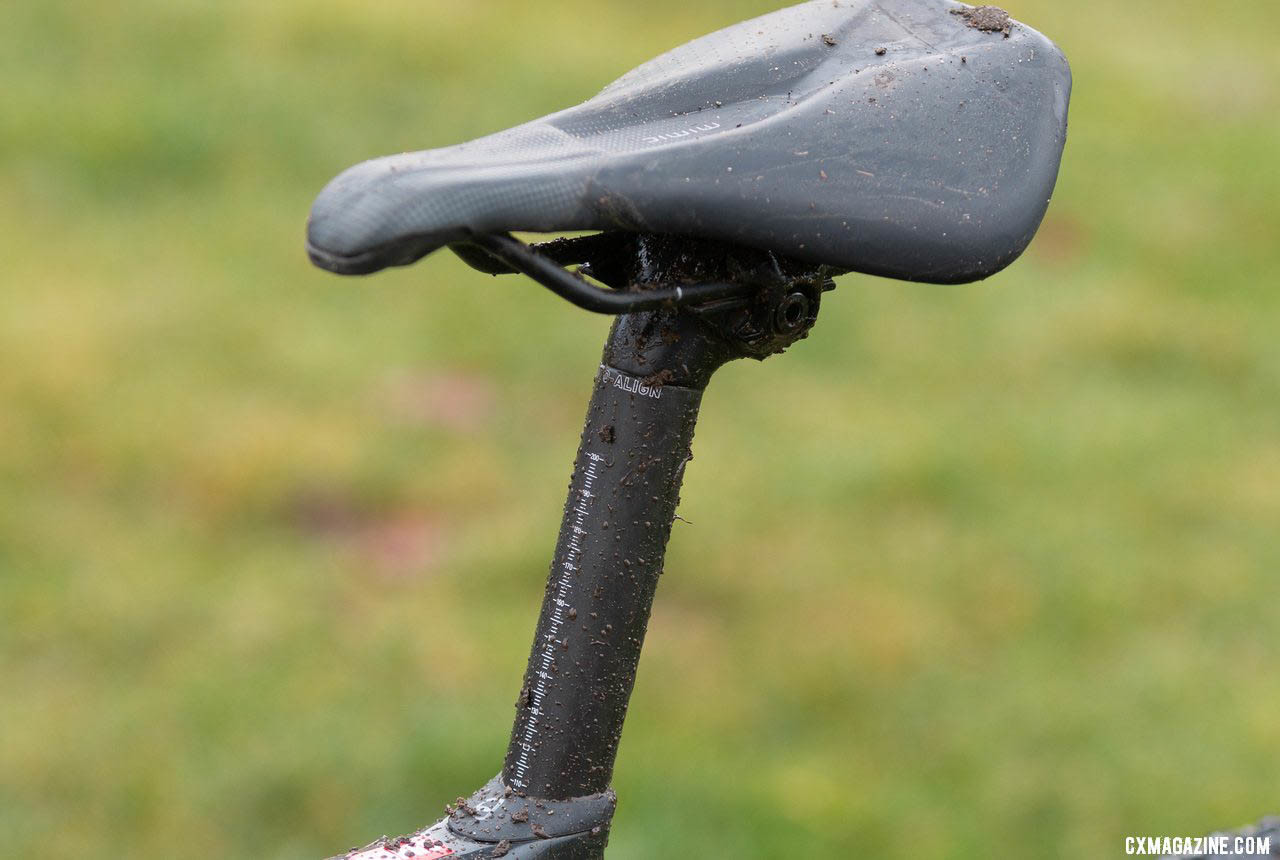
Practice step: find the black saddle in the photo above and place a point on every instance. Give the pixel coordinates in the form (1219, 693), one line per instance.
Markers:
(916, 139)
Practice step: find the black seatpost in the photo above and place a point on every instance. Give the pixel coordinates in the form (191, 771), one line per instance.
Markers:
(552, 800)
(622, 503)
(618, 517)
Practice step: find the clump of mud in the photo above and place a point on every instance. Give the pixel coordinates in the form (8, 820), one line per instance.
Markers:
(988, 19)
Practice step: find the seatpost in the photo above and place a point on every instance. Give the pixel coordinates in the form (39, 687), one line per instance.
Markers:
(617, 520)
(552, 800)
(621, 505)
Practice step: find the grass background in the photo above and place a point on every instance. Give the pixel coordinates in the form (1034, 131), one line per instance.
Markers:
(974, 572)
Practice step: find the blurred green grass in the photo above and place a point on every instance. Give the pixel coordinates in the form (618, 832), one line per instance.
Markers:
(974, 570)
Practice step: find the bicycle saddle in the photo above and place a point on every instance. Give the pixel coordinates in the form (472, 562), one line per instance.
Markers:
(915, 139)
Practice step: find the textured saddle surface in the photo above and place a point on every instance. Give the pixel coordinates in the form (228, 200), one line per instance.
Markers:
(916, 139)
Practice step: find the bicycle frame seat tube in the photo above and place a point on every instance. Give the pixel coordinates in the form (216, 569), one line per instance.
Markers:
(609, 556)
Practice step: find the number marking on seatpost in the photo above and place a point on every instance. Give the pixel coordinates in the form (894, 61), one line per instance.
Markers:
(570, 566)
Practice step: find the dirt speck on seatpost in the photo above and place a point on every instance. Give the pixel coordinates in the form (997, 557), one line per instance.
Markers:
(659, 379)
(988, 19)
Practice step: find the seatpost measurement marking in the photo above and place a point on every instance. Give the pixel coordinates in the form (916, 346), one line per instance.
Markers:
(560, 605)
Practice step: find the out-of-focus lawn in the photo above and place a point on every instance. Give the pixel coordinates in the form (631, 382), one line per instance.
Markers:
(974, 572)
